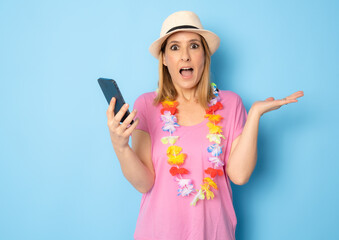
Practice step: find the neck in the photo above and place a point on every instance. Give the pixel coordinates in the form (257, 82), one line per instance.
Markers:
(187, 95)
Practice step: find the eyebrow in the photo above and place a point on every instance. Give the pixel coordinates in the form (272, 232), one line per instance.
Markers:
(192, 40)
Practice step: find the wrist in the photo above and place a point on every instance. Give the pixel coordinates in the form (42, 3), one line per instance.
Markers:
(121, 149)
(253, 112)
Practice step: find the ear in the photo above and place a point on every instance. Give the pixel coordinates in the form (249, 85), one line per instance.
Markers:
(164, 60)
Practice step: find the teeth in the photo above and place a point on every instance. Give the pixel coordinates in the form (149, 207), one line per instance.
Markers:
(185, 69)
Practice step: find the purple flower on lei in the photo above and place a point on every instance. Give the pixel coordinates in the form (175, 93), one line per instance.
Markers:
(216, 161)
(213, 102)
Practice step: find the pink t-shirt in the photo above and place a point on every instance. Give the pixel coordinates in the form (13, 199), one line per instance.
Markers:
(166, 216)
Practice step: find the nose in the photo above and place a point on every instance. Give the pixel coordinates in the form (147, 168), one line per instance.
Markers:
(185, 56)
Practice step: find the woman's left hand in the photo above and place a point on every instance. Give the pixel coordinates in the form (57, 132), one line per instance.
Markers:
(261, 107)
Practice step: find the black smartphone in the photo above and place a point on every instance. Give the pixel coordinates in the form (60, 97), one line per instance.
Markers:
(110, 89)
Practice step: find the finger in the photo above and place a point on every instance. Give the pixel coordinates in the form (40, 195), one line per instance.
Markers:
(296, 95)
(131, 128)
(129, 119)
(121, 113)
(110, 110)
(299, 94)
(286, 101)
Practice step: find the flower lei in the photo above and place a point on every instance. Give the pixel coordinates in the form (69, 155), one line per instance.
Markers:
(176, 158)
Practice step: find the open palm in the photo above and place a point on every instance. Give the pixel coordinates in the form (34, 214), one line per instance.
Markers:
(270, 103)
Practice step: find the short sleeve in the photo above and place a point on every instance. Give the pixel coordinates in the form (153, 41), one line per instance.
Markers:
(240, 118)
(141, 106)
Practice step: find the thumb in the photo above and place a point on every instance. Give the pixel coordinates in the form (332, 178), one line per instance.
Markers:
(269, 99)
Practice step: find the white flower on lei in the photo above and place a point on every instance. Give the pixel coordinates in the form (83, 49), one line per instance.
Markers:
(170, 122)
(185, 186)
(215, 150)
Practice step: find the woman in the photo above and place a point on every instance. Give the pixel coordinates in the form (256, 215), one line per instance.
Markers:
(189, 140)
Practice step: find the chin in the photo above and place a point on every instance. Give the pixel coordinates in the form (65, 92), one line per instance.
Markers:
(186, 84)
(189, 85)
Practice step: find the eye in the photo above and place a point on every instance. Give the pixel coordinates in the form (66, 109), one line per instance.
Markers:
(194, 45)
(174, 47)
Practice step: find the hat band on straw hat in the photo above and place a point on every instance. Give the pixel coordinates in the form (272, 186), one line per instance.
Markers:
(183, 21)
(181, 27)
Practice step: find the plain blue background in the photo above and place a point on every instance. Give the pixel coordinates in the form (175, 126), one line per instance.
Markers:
(59, 176)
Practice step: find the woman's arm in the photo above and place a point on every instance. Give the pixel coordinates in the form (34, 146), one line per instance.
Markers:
(141, 144)
(136, 163)
(243, 156)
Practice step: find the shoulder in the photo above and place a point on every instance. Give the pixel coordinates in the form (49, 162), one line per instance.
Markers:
(229, 96)
(144, 102)
(149, 96)
(146, 98)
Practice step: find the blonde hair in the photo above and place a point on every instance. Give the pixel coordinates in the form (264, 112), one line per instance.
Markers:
(166, 89)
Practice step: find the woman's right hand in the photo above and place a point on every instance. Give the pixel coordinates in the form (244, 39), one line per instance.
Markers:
(120, 132)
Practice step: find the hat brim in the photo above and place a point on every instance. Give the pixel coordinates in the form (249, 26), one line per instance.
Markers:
(213, 41)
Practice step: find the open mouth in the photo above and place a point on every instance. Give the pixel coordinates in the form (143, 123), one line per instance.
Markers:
(186, 72)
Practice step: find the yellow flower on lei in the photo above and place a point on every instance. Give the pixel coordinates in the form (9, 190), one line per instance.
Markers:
(173, 150)
(176, 160)
(210, 182)
(214, 128)
(213, 118)
(209, 193)
(167, 103)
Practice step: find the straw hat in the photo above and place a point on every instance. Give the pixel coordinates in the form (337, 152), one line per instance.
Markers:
(183, 21)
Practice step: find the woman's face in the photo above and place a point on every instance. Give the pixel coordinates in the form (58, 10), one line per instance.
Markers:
(185, 59)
